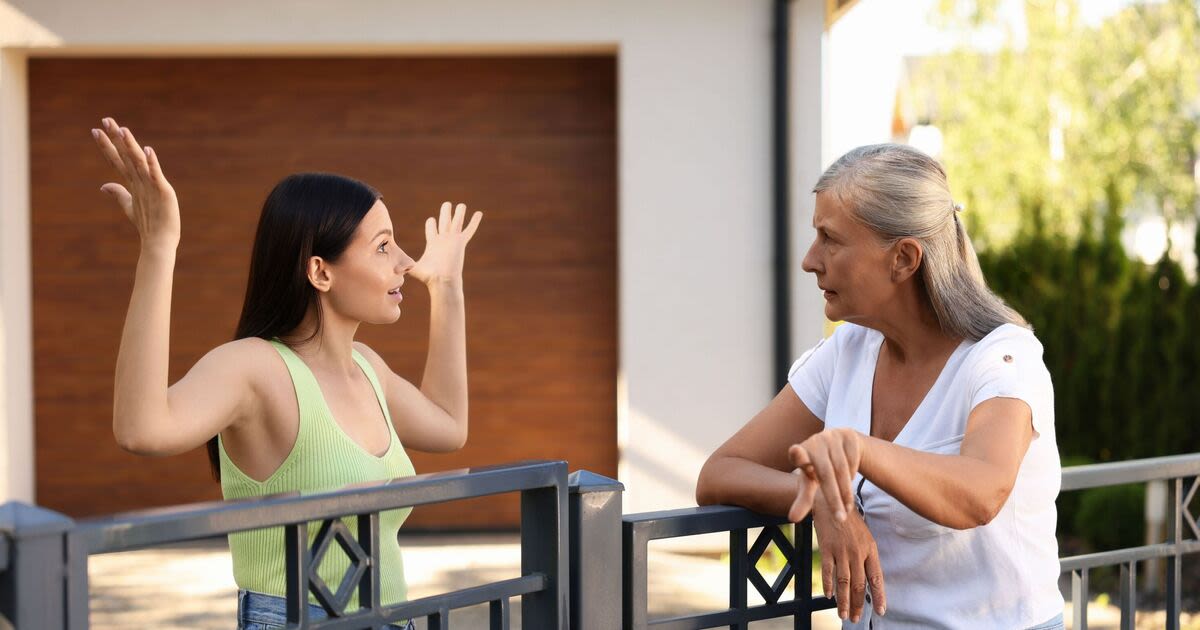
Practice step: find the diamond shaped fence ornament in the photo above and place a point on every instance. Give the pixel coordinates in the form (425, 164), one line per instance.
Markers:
(1185, 508)
(771, 534)
(335, 530)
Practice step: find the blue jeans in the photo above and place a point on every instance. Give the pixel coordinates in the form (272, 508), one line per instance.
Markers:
(268, 612)
(1054, 624)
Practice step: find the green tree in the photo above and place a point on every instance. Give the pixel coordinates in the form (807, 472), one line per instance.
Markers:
(1077, 119)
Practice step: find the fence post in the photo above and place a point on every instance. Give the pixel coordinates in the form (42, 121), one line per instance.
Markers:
(34, 586)
(544, 550)
(595, 506)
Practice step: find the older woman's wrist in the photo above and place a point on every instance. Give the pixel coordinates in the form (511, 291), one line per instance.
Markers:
(866, 446)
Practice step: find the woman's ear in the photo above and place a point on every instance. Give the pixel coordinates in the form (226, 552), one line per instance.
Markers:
(319, 274)
(906, 259)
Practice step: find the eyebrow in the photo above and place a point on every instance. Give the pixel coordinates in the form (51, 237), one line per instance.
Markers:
(825, 226)
(383, 231)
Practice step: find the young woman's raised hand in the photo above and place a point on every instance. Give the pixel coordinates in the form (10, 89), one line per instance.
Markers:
(145, 196)
(445, 244)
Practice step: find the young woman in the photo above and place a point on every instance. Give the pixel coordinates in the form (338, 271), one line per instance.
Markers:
(925, 424)
(293, 404)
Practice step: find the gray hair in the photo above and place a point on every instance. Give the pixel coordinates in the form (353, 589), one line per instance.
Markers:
(899, 192)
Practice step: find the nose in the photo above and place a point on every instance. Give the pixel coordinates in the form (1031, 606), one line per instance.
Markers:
(405, 264)
(812, 262)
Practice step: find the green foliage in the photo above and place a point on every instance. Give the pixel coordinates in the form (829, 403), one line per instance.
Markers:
(1111, 517)
(1126, 370)
(1068, 502)
(1078, 119)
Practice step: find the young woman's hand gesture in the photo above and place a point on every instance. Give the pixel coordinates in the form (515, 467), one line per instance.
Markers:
(445, 245)
(143, 193)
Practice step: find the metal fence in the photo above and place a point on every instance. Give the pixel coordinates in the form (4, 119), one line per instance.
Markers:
(1183, 473)
(640, 529)
(44, 582)
(583, 564)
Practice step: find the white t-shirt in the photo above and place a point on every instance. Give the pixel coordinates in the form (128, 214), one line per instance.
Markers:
(1001, 575)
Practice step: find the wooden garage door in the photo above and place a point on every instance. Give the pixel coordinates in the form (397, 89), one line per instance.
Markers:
(529, 140)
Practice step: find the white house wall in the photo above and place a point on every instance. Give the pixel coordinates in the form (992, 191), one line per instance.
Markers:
(694, 181)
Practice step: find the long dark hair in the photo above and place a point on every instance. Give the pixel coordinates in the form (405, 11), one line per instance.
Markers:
(306, 215)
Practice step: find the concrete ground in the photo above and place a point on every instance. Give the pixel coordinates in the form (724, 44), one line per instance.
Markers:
(191, 585)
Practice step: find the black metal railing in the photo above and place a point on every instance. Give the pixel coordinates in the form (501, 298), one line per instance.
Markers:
(640, 529)
(45, 585)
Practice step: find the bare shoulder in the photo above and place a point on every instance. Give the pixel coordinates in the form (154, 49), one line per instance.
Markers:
(249, 360)
(243, 354)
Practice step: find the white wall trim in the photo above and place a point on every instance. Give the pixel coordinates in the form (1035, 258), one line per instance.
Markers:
(16, 358)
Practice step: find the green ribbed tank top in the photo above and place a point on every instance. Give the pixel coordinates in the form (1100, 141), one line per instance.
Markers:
(323, 458)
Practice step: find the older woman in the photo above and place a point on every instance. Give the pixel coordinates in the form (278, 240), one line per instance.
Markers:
(924, 426)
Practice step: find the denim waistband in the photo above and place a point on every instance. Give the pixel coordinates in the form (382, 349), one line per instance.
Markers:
(259, 610)
(1054, 624)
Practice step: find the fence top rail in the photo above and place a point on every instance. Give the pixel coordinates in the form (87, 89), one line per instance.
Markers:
(699, 520)
(1131, 554)
(1132, 471)
(143, 528)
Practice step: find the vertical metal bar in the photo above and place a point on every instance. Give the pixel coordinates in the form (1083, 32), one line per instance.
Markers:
(439, 620)
(780, 193)
(498, 615)
(33, 591)
(368, 539)
(544, 550)
(78, 604)
(636, 588)
(298, 559)
(802, 554)
(1079, 598)
(1174, 592)
(595, 535)
(1128, 601)
(739, 567)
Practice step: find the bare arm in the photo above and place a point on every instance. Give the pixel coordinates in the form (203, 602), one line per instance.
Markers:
(965, 490)
(960, 491)
(149, 418)
(434, 417)
(752, 469)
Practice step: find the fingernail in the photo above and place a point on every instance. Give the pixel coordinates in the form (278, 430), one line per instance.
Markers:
(843, 616)
(96, 133)
(121, 132)
(841, 516)
(881, 610)
(856, 618)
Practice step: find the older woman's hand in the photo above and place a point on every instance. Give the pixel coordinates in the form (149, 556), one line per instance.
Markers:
(849, 562)
(833, 457)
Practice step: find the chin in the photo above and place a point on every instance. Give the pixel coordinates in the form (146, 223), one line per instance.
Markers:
(382, 318)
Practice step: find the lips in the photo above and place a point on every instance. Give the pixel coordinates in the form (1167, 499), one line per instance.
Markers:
(395, 294)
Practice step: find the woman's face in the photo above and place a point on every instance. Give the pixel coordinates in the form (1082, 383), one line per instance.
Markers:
(852, 266)
(367, 278)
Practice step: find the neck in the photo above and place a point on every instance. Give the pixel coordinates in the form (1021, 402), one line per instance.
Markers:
(332, 347)
(911, 331)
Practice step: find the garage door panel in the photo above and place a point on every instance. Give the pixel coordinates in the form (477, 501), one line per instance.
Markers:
(415, 96)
